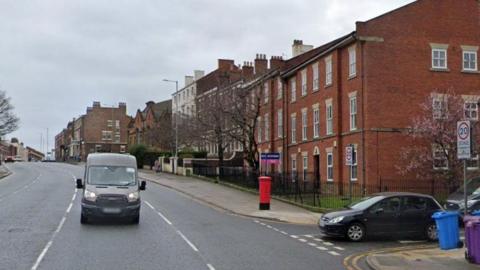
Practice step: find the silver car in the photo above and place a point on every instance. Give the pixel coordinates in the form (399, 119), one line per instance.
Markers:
(110, 187)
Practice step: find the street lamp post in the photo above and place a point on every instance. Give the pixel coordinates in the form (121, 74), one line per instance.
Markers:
(176, 123)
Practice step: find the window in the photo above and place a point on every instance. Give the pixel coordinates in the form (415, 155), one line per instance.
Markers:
(389, 205)
(329, 119)
(117, 137)
(471, 111)
(316, 123)
(329, 166)
(352, 56)
(328, 71)
(123, 148)
(117, 124)
(280, 123)
(294, 128)
(304, 125)
(415, 204)
(439, 108)
(304, 82)
(305, 167)
(110, 123)
(293, 87)
(353, 113)
(106, 135)
(259, 125)
(280, 161)
(267, 127)
(294, 169)
(354, 167)
(470, 60)
(315, 77)
(440, 161)
(279, 88)
(266, 93)
(473, 164)
(439, 58)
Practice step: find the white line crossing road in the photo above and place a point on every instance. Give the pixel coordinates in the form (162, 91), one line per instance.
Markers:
(308, 239)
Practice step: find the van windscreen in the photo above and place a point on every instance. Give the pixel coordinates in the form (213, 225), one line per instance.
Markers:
(111, 176)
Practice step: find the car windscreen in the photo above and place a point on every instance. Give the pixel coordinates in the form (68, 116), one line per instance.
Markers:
(365, 203)
(111, 176)
(473, 188)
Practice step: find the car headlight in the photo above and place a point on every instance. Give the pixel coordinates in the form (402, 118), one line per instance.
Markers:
(132, 197)
(90, 196)
(335, 220)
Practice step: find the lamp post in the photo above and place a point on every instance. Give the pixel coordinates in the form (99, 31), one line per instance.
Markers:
(176, 123)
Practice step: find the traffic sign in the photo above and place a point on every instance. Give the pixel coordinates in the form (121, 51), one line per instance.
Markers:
(349, 155)
(464, 144)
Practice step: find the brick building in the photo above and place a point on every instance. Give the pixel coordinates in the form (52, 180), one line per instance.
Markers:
(152, 126)
(364, 88)
(101, 129)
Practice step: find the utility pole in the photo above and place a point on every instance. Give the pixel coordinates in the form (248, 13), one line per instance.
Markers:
(47, 143)
(176, 123)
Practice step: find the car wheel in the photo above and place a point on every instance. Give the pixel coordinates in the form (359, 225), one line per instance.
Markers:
(431, 232)
(136, 219)
(355, 232)
(83, 219)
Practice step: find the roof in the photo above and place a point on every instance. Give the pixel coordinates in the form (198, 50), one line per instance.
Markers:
(392, 194)
(161, 107)
(110, 159)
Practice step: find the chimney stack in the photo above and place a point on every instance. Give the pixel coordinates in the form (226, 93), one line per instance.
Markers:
(298, 47)
(96, 104)
(188, 80)
(276, 62)
(247, 70)
(225, 64)
(198, 74)
(261, 63)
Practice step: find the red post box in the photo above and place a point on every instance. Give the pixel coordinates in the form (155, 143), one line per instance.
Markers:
(265, 183)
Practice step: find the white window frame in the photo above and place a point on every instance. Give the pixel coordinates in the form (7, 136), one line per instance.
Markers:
(330, 176)
(474, 159)
(304, 125)
(438, 66)
(353, 113)
(352, 62)
(315, 81)
(293, 128)
(354, 167)
(316, 122)
(304, 82)
(293, 89)
(279, 88)
(328, 71)
(266, 93)
(293, 171)
(475, 60)
(439, 107)
(435, 151)
(266, 121)
(329, 119)
(259, 131)
(305, 167)
(280, 123)
(470, 109)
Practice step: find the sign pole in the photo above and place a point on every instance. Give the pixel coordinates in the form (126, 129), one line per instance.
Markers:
(465, 187)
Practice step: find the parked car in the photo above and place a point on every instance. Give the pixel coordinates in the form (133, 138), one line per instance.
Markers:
(455, 201)
(9, 159)
(388, 213)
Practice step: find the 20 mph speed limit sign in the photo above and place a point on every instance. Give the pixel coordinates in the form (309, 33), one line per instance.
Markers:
(464, 140)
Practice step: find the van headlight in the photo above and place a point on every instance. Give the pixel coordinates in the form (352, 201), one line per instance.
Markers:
(335, 220)
(89, 195)
(133, 197)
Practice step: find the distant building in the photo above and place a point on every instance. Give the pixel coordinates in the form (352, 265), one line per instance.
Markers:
(183, 101)
(34, 155)
(101, 129)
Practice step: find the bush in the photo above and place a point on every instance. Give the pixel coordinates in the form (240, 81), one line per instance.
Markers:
(192, 154)
(151, 156)
(138, 151)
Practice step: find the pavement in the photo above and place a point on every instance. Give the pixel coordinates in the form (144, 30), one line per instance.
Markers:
(425, 259)
(232, 200)
(4, 171)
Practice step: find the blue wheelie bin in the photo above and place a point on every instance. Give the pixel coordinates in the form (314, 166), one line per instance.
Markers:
(447, 230)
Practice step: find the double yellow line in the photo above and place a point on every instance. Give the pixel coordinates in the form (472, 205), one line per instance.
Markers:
(351, 262)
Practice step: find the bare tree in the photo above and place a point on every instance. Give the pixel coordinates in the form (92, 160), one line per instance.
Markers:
(433, 155)
(8, 121)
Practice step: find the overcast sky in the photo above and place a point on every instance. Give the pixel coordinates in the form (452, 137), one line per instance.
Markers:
(57, 57)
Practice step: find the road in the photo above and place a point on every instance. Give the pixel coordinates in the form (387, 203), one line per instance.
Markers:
(40, 229)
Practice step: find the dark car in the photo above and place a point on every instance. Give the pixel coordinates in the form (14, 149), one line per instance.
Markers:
(390, 213)
(455, 201)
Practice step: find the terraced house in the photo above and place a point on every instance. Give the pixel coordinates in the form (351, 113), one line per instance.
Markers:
(363, 89)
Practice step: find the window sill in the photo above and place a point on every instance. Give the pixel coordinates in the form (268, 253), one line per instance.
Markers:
(470, 71)
(440, 69)
(329, 180)
(328, 85)
(351, 77)
(314, 90)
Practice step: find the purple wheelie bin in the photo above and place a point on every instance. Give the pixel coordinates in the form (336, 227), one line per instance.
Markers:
(472, 238)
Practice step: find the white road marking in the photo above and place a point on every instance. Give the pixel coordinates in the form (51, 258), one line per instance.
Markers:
(74, 196)
(210, 267)
(268, 226)
(334, 253)
(327, 244)
(312, 244)
(302, 240)
(159, 213)
(188, 241)
(283, 232)
(338, 248)
(263, 224)
(322, 248)
(69, 207)
(308, 236)
(317, 239)
(256, 221)
(294, 236)
(149, 205)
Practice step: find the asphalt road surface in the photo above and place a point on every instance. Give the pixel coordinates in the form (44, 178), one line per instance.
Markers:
(40, 229)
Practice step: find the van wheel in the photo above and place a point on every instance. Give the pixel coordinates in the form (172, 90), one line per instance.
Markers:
(431, 232)
(355, 232)
(136, 219)
(83, 219)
